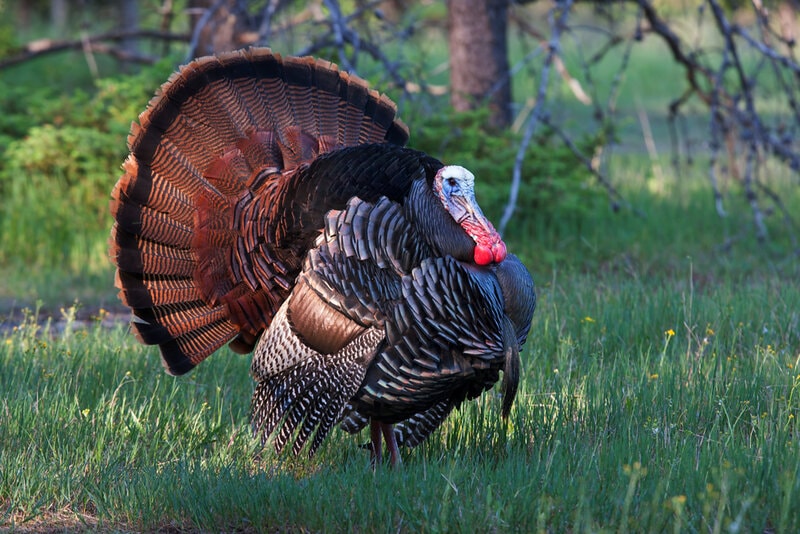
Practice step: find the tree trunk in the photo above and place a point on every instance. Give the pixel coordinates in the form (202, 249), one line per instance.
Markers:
(129, 20)
(479, 57)
(58, 16)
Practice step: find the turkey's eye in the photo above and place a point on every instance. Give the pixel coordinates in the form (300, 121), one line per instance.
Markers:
(451, 182)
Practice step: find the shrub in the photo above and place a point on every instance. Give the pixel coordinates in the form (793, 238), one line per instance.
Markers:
(554, 183)
(62, 156)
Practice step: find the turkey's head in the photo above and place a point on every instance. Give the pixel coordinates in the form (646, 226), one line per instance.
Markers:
(455, 187)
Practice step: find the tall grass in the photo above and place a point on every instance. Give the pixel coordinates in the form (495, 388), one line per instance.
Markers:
(648, 403)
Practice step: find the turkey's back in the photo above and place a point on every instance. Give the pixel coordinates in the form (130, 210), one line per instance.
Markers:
(218, 203)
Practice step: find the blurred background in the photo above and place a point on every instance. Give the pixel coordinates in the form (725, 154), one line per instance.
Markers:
(619, 136)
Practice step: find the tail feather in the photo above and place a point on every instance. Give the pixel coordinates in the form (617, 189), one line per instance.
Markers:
(140, 292)
(355, 97)
(182, 348)
(327, 101)
(141, 190)
(299, 78)
(206, 241)
(172, 320)
(152, 225)
(226, 173)
(143, 256)
(179, 355)
(261, 150)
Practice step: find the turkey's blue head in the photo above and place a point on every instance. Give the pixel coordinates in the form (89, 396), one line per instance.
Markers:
(455, 187)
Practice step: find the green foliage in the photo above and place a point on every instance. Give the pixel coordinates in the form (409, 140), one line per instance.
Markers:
(62, 157)
(22, 108)
(54, 180)
(7, 41)
(554, 182)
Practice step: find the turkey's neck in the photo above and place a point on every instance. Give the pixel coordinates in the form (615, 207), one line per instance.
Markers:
(425, 211)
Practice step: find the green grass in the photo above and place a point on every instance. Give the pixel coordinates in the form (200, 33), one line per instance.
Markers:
(620, 424)
(661, 392)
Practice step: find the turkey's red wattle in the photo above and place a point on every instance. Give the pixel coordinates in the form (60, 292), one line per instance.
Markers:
(499, 251)
(489, 246)
(483, 255)
(489, 253)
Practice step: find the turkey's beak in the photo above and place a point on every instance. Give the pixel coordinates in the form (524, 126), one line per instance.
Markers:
(489, 247)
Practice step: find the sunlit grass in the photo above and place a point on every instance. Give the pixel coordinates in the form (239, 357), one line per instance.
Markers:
(647, 403)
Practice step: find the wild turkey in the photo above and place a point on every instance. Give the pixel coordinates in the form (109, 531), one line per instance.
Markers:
(270, 200)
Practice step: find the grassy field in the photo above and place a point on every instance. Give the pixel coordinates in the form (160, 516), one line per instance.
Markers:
(660, 391)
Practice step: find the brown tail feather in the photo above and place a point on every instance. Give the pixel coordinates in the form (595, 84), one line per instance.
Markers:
(138, 292)
(173, 319)
(205, 247)
(145, 257)
(180, 354)
(152, 225)
(139, 189)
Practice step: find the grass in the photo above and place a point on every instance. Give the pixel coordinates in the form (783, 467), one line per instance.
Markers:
(647, 404)
(661, 392)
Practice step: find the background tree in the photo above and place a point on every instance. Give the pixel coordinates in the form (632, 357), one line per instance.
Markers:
(478, 43)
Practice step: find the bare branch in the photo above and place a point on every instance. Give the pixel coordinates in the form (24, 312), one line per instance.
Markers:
(338, 29)
(556, 26)
(200, 26)
(341, 33)
(727, 83)
(618, 199)
(561, 68)
(44, 47)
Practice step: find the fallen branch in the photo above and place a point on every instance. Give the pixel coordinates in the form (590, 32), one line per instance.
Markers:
(43, 47)
(730, 89)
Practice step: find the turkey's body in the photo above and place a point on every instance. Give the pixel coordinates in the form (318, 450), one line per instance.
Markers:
(269, 203)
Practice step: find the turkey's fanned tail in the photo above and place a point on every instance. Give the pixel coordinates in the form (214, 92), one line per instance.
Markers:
(208, 187)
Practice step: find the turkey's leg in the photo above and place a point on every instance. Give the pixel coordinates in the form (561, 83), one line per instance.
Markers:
(377, 446)
(391, 444)
(386, 431)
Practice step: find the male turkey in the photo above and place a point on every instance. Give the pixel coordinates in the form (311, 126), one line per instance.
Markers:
(269, 202)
